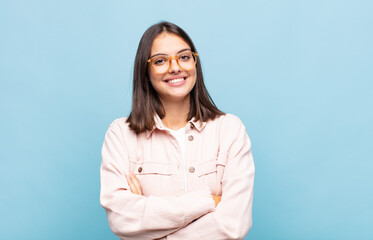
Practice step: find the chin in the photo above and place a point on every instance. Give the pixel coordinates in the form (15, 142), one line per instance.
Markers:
(177, 97)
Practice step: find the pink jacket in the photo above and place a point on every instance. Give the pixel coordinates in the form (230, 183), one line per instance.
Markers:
(218, 161)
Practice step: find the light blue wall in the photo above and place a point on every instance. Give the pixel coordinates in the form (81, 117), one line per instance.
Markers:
(298, 73)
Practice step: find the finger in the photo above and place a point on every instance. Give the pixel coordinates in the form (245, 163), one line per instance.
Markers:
(137, 184)
(131, 185)
(216, 199)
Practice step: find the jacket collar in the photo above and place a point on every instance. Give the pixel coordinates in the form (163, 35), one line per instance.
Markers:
(159, 125)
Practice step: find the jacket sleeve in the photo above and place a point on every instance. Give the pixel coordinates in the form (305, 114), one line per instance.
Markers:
(232, 218)
(132, 216)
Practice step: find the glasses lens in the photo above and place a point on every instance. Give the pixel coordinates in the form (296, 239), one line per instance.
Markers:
(160, 64)
(187, 60)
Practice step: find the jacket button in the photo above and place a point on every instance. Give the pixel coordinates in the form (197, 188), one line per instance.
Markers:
(139, 170)
(190, 138)
(192, 169)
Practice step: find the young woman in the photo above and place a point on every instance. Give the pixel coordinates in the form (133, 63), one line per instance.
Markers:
(177, 167)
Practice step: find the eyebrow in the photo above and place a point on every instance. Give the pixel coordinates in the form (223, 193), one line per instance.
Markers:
(182, 50)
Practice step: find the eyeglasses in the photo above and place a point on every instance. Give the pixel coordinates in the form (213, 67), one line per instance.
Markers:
(162, 63)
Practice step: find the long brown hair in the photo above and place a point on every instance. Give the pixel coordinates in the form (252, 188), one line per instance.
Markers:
(145, 100)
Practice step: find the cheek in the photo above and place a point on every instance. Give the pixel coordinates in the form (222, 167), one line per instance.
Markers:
(154, 79)
(155, 84)
(194, 77)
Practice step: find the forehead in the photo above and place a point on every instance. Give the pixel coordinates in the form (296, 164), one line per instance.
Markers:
(168, 43)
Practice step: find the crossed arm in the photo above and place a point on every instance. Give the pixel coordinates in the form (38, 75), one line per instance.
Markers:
(193, 215)
(135, 188)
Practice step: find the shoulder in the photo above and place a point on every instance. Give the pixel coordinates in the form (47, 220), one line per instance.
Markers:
(230, 122)
(231, 118)
(121, 126)
(119, 122)
(232, 130)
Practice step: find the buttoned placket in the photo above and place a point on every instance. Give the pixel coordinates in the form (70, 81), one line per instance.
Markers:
(188, 172)
(189, 145)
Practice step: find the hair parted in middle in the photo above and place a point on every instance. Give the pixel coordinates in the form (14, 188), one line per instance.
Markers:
(145, 100)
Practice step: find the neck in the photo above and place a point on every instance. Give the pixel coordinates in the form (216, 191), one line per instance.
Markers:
(176, 114)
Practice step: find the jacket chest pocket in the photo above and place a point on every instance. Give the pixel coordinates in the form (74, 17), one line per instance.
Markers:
(210, 173)
(154, 178)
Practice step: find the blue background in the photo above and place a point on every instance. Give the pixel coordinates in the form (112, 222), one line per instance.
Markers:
(298, 74)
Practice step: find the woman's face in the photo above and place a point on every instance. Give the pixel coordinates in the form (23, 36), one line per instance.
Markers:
(175, 84)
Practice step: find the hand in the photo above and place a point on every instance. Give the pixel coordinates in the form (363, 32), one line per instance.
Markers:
(134, 184)
(216, 199)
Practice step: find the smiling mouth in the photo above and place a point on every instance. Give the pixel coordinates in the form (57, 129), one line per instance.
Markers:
(176, 80)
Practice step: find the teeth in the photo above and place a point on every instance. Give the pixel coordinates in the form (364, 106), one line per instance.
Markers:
(176, 80)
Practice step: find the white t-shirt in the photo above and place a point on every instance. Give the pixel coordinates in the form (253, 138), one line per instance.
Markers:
(180, 137)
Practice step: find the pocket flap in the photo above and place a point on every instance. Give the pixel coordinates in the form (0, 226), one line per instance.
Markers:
(153, 168)
(206, 167)
(222, 159)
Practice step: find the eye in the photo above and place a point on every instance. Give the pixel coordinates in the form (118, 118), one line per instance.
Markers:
(160, 61)
(185, 57)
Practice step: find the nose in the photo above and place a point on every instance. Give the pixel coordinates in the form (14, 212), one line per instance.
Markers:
(174, 66)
